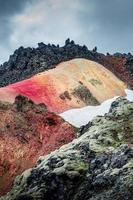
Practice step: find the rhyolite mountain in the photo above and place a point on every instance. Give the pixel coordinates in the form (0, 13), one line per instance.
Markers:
(26, 62)
(98, 165)
(72, 84)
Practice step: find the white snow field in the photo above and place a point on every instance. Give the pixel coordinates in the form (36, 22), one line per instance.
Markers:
(82, 116)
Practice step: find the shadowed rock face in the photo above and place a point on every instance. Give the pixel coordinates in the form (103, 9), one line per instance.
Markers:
(96, 166)
(71, 84)
(121, 65)
(27, 131)
(26, 62)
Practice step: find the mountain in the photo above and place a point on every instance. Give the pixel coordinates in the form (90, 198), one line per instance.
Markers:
(27, 131)
(72, 84)
(74, 159)
(96, 166)
(26, 62)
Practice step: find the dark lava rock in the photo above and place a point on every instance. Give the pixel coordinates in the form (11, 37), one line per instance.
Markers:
(26, 62)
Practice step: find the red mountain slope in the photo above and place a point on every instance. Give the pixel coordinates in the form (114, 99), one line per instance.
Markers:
(27, 131)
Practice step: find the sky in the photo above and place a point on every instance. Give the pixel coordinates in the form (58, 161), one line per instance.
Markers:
(106, 24)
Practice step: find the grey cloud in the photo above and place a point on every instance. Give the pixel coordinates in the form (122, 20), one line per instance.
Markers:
(114, 14)
(7, 9)
(103, 23)
(112, 24)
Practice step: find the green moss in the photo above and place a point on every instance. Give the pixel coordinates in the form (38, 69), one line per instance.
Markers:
(129, 165)
(111, 134)
(128, 181)
(78, 166)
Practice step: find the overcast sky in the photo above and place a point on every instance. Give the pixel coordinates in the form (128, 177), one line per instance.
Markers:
(107, 24)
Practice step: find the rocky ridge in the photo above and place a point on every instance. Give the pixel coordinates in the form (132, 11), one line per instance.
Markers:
(96, 166)
(26, 62)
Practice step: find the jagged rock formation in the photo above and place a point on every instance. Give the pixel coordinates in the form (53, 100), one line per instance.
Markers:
(26, 62)
(27, 131)
(72, 84)
(96, 166)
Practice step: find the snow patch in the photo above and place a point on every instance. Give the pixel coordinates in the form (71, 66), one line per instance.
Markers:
(82, 116)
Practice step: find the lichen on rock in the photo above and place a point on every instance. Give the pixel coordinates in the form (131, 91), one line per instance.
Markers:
(96, 166)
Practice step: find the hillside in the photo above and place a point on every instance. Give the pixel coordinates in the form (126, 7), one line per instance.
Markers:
(26, 62)
(27, 131)
(72, 84)
(96, 166)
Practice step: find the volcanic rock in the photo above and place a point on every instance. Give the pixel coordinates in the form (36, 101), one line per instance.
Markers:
(72, 84)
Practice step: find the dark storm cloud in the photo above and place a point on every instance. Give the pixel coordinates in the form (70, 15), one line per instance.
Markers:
(7, 9)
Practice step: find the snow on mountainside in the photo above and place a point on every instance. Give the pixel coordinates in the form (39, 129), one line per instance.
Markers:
(79, 117)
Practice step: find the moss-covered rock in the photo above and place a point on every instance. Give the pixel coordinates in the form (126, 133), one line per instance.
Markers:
(111, 130)
(96, 166)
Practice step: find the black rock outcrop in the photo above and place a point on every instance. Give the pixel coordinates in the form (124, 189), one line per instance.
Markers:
(26, 62)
